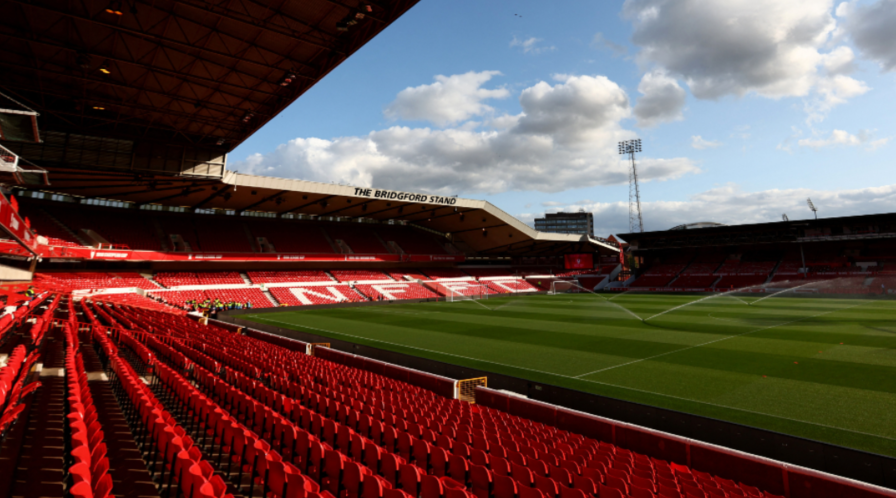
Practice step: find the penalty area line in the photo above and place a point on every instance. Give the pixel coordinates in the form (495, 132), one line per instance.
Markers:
(713, 341)
(644, 391)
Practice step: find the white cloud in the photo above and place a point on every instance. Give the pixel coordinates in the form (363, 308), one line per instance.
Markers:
(730, 205)
(552, 204)
(565, 137)
(734, 47)
(840, 137)
(449, 100)
(530, 45)
(832, 92)
(871, 26)
(662, 100)
(700, 143)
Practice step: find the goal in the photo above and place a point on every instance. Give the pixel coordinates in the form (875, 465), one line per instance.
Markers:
(567, 287)
(468, 292)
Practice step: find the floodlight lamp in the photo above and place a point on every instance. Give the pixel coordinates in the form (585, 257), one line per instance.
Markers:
(104, 68)
(288, 78)
(114, 7)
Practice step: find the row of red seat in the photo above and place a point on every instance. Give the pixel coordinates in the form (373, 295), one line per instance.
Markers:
(519, 463)
(275, 277)
(89, 469)
(15, 384)
(175, 279)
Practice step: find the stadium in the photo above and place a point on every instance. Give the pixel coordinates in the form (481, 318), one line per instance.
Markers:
(174, 328)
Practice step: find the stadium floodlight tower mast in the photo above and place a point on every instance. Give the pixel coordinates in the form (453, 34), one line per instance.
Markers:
(631, 147)
(812, 207)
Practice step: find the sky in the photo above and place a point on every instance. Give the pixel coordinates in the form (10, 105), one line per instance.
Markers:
(745, 109)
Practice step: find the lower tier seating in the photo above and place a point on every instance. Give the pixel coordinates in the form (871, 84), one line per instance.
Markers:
(275, 277)
(652, 281)
(509, 286)
(358, 275)
(243, 295)
(691, 281)
(318, 294)
(276, 422)
(395, 290)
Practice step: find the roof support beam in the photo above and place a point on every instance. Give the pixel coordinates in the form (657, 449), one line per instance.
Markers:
(322, 199)
(181, 194)
(266, 199)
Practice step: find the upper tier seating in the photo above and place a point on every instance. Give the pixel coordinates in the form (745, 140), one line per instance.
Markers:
(410, 240)
(291, 236)
(443, 273)
(224, 235)
(395, 291)
(276, 277)
(124, 230)
(179, 225)
(356, 275)
(318, 294)
(42, 224)
(360, 237)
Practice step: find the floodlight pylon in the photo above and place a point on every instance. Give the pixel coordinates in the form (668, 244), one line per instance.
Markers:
(635, 220)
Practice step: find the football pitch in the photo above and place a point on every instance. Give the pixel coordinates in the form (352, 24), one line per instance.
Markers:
(818, 368)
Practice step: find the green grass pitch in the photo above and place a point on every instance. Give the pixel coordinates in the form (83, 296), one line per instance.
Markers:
(819, 368)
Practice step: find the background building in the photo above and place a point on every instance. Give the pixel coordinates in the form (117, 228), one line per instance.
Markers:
(580, 223)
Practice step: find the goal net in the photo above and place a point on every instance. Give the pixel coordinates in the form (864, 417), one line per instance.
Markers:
(465, 292)
(567, 287)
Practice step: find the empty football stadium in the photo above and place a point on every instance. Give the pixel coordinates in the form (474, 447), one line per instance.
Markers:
(174, 328)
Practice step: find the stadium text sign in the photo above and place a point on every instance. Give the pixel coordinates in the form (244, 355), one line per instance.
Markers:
(404, 196)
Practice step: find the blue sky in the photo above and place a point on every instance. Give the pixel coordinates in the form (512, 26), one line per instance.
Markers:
(745, 108)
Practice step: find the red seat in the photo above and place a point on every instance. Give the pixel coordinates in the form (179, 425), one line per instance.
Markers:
(458, 469)
(608, 492)
(525, 492)
(431, 487)
(481, 481)
(572, 493)
(504, 487)
(548, 486)
(411, 477)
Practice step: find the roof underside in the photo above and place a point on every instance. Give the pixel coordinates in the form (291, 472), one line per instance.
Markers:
(168, 77)
(143, 106)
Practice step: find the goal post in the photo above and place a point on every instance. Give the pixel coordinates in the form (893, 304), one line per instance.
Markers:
(468, 292)
(567, 287)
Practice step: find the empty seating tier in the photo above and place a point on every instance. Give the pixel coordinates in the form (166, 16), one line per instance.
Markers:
(318, 294)
(395, 291)
(276, 277)
(358, 275)
(443, 273)
(273, 422)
